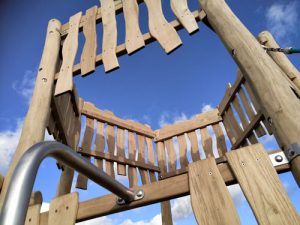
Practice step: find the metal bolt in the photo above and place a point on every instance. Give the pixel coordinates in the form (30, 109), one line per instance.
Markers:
(278, 158)
(44, 79)
(210, 173)
(140, 193)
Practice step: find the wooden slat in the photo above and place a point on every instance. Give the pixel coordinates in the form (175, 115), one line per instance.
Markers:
(110, 137)
(206, 142)
(150, 158)
(221, 143)
(69, 50)
(134, 39)
(88, 56)
(109, 44)
(210, 198)
(166, 213)
(228, 128)
(161, 156)
(86, 144)
(182, 151)
(200, 121)
(159, 27)
(141, 158)
(171, 155)
(121, 151)
(184, 15)
(162, 190)
(262, 186)
(132, 173)
(108, 117)
(194, 146)
(63, 210)
(1, 181)
(99, 144)
(33, 212)
(237, 130)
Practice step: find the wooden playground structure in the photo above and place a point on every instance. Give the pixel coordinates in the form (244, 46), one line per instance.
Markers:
(264, 100)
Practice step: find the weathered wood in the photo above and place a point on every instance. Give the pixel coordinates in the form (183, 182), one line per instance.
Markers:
(33, 130)
(132, 173)
(134, 39)
(33, 212)
(221, 143)
(161, 156)
(86, 144)
(63, 210)
(171, 155)
(99, 144)
(181, 10)
(200, 121)
(166, 214)
(206, 142)
(209, 194)
(110, 137)
(1, 181)
(88, 56)
(194, 146)
(141, 158)
(228, 128)
(109, 44)
(150, 158)
(182, 145)
(121, 151)
(160, 28)
(236, 128)
(261, 186)
(108, 117)
(155, 192)
(65, 80)
(266, 38)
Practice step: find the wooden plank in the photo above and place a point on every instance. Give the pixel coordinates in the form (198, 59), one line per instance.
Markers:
(110, 137)
(236, 128)
(88, 56)
(194, 146)
(141, 158)
(220, 138)
(33, 129)
(63, 210)
(238, 108)
(161, 156)
(86, 144)
(166, 214)
(209, 194)
(150, 158)
(33, 212)
(1, 181)
(182, 151)
(206, 142)
(121, 151)
(200, 121)
(162, 190)
(171, 155)
(99, 144)
(65, 80)
(134, 39)
(181, 10)
(159, 27)
(108, 117)
(261, 186)
(132, 173)
(109, 44)
(228, 128)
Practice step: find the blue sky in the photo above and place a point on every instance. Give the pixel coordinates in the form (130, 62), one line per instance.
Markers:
(150, 86)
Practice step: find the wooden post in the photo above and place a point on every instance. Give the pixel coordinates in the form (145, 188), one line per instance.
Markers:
(266, 38)
(280, 105)
(166, 214)
(33, 130)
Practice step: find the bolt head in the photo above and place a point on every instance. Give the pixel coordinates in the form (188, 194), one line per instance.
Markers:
(278, 158)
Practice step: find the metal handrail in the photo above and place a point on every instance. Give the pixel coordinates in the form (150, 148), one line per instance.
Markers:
(17, 198)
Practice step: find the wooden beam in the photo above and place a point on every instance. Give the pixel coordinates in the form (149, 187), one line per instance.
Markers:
(36, 120)
(280, 104)
(162, 190)
(121, 49)
(200, 121)
(118, 159)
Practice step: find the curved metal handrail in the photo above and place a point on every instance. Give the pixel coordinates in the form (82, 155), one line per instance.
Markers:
(17, 198)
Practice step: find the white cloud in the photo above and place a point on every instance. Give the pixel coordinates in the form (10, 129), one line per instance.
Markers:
(156, 220)
(206, 108)
(25, 86)
(98, 221)
(181, 208)
(282, 20)
(45, 207)
(236, 194)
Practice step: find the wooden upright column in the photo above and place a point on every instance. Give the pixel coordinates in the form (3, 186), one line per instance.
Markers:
(280, 105)
(34, 126)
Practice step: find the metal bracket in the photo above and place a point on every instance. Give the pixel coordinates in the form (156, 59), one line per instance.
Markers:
(292, 151)
(278, 159)
(138, 195)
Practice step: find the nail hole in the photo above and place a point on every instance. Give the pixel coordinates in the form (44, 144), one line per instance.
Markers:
(67, 207)
(40, 69)
(56, 211)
